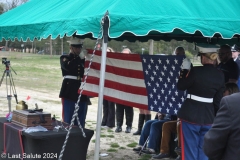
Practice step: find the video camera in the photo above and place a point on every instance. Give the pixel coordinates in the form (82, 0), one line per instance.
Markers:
(5, 61)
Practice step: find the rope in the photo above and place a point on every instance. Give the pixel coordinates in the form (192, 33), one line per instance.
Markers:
(75, 114)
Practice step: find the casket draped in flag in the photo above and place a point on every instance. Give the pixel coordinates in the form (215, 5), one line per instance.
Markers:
(142, 81)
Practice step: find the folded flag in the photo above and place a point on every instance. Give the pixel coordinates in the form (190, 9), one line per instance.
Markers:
(142, 81)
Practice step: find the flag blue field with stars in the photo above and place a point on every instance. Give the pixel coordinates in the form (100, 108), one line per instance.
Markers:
(161, 73)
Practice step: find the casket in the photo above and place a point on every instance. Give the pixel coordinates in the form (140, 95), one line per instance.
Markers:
(30, 118)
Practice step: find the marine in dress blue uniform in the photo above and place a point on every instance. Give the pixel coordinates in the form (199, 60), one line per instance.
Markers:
(235, 55)
(205, 87)
(72, 66)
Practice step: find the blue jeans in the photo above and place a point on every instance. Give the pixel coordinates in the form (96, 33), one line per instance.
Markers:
(153, 130)
(68, 110)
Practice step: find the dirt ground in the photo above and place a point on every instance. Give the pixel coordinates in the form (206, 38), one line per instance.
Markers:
(50, 102)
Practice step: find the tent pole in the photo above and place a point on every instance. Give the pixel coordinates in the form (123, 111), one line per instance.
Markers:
(151, 47)
(101, 86)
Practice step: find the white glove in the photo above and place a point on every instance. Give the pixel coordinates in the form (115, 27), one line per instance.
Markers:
(186, 64)
(83, 53)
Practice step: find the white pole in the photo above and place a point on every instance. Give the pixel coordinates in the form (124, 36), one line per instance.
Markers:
(32, 46)
(151, 47)
(50, 45)
(100, 100)
(62, 46)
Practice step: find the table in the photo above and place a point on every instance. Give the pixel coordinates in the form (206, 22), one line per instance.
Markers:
(45, 145)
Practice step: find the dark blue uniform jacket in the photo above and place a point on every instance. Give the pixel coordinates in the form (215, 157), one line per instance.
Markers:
(71, 65)
(203, 81)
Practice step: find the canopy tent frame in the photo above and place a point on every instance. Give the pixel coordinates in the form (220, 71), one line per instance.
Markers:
(105, 29)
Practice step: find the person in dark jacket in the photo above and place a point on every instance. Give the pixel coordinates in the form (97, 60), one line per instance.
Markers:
(235, 55)
(205, 87)
(227, 65)
(222, 141)
(120, 110)
(72, 66)
(108, 119)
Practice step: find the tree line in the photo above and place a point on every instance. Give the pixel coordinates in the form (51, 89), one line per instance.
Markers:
(160, 47)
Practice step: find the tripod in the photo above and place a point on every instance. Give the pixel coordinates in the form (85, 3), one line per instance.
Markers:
(10, 87)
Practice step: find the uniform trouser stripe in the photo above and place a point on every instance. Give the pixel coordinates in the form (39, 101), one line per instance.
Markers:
(182, 142)
(192, 141)
(62, 109)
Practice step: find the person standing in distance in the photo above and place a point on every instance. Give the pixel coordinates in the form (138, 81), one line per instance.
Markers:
(72, 66)
(235, 55)
(120, 110)
(108, 119)
(205, 87)
(227, 65)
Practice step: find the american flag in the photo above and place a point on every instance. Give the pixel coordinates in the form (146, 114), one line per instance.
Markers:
(142, 81)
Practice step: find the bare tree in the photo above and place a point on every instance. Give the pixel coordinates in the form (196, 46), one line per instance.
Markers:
(1, 8)
(10, 4)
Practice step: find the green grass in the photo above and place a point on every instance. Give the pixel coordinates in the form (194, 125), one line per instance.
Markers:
(110, 136)
(93, 140)
(109, 130)
(134, 144)
(102, 135)
(114, 145)
(145, 157)
(34, 72)
(122, 147)
(89, 121)
(112, 150)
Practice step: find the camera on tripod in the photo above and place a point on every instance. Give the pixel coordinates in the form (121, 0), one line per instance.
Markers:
(5, 61)
(9, 82)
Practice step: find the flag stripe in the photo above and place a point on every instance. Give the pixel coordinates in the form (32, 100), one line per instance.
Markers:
(120, 71)
(125, 97)
(118, 86)
(113, 77)
(116, 100)
(118, 63)
(118, 56)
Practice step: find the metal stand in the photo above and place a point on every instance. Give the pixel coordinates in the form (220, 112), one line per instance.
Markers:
(9, 85)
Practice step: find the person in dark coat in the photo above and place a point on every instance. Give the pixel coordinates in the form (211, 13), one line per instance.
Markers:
(108, 119)
(235, 55)
(120, 110)
(72, 66)
(227, 65)
(205, 87)
(222, 141)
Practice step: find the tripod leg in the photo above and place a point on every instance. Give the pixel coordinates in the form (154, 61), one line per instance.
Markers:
(9, 98)
(13, 87)
(2, 77)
